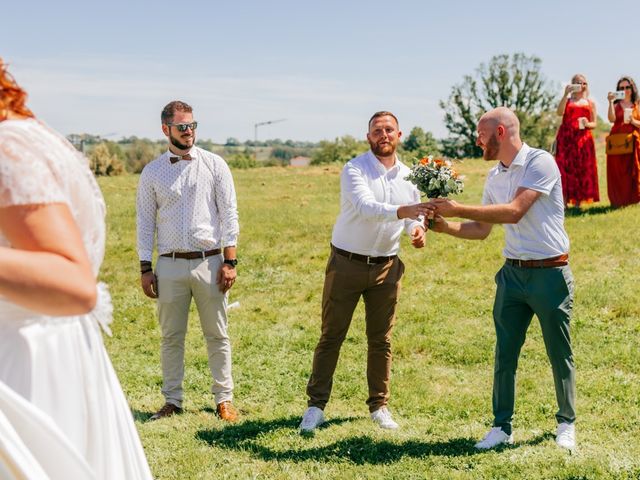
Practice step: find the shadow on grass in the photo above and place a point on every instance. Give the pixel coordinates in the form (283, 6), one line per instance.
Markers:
(579, 212)
(537, 440)
(358, 450)
(140, 416)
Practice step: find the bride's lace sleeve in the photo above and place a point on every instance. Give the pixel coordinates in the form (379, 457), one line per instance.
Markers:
(28, 175)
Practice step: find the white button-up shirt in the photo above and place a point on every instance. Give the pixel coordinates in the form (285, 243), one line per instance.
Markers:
(540, 232)
(190, 205)
(370, 195)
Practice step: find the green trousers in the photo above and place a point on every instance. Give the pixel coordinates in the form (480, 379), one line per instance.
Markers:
(521, 293)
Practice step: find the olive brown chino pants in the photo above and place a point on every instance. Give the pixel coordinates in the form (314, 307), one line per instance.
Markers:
(345, 282)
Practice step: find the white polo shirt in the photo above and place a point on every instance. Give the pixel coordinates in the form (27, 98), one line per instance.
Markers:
(540, 232)
(370, 195)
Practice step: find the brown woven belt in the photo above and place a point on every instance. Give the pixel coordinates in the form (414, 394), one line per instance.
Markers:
(362, 258)
(193, 255)
(559, 261)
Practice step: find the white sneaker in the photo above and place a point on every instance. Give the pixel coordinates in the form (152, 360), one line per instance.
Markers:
(566, 436)
(313, 417)
(382, 417)
(495, 437)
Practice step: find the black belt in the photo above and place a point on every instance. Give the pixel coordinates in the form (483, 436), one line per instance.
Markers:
(362, 258)
(559, 261)
(193, 255)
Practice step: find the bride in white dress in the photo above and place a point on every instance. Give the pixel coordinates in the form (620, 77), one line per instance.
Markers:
(62, 411)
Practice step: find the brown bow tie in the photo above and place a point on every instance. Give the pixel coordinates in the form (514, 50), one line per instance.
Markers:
(177, 159)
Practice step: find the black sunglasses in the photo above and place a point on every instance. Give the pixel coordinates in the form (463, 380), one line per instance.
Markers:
(626, 87)
(182, 127)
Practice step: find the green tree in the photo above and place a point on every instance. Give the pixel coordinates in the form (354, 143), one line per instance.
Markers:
(141, 152)
(242, 159)
(341, 150)
(515, 82)
(103, 162)
(420, 144)
(207, 144)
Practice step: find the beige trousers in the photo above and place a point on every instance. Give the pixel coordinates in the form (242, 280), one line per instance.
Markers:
(178, 281)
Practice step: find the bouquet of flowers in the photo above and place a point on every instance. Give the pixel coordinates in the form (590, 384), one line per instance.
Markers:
(435, 178)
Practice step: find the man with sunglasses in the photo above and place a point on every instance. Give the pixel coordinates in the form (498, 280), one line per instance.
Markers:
(187, 201)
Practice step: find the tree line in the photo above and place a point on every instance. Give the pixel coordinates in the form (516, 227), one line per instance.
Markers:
(515, 81)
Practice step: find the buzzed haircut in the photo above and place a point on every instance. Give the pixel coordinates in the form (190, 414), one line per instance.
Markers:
(383, 113)
(171, 108)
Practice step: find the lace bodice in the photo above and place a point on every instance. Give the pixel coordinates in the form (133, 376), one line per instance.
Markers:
(39, 166)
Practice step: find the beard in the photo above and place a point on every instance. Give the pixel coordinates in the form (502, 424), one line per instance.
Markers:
(384, 150)
(182, 146)
(491, 149)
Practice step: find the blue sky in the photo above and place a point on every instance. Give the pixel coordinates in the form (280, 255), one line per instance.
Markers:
(108, 68)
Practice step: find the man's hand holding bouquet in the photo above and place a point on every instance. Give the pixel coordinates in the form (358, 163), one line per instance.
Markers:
(435, 178)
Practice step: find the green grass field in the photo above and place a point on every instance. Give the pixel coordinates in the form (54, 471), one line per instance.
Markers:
(443, 350)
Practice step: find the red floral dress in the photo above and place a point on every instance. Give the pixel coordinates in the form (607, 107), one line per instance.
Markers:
(576, 157)
(623, 171)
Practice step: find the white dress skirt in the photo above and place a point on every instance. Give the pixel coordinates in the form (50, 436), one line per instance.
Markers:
(57, 368)
(49, 455)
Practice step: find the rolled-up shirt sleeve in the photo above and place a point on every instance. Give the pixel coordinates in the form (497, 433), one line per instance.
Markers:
(357, 191)
(227, 205)
(146, 210)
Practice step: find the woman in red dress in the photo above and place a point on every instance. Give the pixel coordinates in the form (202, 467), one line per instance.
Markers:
(623, 171)
(575, 150)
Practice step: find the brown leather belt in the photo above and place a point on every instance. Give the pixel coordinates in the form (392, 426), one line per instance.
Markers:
(559, 261)
(193, 255)
(362, 258)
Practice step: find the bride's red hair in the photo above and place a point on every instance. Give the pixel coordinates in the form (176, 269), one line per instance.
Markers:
(12, 97)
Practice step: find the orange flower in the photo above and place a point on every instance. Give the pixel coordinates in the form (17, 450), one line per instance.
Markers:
(424, 161)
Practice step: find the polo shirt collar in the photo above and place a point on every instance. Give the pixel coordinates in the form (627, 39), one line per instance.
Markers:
(519, 159)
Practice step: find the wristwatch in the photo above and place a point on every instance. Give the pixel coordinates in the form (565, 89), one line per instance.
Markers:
(231, 261)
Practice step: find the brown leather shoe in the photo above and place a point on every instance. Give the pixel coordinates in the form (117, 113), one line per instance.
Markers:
(167, 410)
(227, 412)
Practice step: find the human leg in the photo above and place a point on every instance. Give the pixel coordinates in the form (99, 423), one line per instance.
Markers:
(344, 282)
(380, 300)
(211, 304)
(552, 300)
(174, 298)
(512, 316)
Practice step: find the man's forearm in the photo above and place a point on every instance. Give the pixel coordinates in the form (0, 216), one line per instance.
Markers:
(229, 252)
(467, 230)
(494, 214)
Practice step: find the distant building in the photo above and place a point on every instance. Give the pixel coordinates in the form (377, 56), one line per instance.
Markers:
(300, 161)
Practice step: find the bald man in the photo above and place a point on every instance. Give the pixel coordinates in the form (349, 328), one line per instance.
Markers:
(523, 192)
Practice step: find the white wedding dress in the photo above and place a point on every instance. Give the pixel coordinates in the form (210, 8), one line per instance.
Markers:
(62, 411)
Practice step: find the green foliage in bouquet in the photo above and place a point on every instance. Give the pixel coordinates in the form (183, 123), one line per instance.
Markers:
(435, 178)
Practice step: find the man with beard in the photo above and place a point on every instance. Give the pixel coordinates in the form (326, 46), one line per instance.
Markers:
(187, 200)
(523, 192)
(376, 203)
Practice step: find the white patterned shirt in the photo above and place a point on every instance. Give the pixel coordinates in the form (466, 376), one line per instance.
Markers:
(190, 205)
(370, 195)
